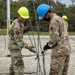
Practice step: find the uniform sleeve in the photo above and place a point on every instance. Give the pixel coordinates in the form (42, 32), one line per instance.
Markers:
(54, 33)
(66, 29)
(18, 37)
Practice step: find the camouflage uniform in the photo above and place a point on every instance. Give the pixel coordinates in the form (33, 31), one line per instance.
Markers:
(66, 29)
(15, 46)
(61, 52)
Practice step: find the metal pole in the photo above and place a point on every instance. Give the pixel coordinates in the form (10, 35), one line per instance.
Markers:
(8, 21)
(44, 69)
(38, 60)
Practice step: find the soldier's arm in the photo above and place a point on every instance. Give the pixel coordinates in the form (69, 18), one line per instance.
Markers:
(54, 34)
(18, 37)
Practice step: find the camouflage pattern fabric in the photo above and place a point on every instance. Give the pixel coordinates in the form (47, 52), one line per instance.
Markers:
(61, 53)
(15, 46)
(65, 29)
(17, 66)
(16, 35)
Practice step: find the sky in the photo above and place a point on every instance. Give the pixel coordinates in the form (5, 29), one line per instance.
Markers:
(67, 2)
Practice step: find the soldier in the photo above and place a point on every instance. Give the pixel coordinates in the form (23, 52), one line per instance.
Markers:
(16, 42)
(65, 21)
(60, 49)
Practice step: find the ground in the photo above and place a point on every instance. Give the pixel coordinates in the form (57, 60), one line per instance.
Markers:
(29, 58)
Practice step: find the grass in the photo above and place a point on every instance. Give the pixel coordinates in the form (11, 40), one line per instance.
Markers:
(71, 33)
(36, 33)
(4, 32)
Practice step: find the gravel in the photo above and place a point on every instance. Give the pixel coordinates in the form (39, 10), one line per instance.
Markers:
(29, 58)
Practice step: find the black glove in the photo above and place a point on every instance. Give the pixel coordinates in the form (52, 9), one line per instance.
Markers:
(46, 47)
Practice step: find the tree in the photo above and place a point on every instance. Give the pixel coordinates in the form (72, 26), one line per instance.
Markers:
(2, 12)
(57, 7)
(73, 1)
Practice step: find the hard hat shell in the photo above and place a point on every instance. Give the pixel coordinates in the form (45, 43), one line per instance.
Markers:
(64, 17)
(23, 12)
(42, 10)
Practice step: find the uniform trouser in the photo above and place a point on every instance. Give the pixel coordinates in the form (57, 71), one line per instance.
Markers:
(59, 65)
(17, 65)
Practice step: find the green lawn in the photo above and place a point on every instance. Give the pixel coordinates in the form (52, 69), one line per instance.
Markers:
(4, 32)
(71, 33)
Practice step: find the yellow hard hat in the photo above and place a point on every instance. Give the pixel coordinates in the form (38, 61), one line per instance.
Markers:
(23, 12)
(64, 17)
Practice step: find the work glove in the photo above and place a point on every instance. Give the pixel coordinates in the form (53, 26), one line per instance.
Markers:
(32, 49)
(46, 47)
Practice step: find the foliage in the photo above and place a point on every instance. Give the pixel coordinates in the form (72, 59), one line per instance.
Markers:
(57, 7)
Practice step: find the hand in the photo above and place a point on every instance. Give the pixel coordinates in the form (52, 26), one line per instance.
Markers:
(32, 49)
(27, 29)
(46, 47)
